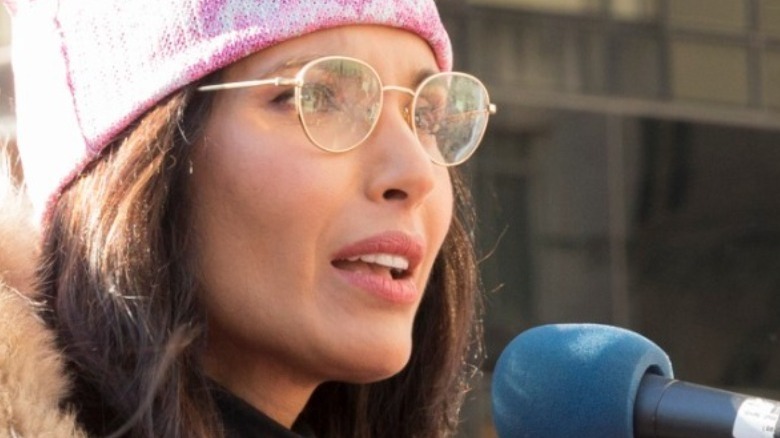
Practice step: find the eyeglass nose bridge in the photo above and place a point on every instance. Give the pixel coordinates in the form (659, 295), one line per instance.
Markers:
(407, 113)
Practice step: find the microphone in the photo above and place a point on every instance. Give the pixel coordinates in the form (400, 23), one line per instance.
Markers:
(599, 381)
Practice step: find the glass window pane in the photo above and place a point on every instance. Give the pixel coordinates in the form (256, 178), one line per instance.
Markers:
(770, 17)
(638, 66)
(722, 15)
(589, 72)
(541, 53)
(772, 79)
(527, 54)
(634, 10)
(551, 6)
(708, 72)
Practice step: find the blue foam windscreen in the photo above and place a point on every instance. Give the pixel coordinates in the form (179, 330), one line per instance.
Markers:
(572, 380)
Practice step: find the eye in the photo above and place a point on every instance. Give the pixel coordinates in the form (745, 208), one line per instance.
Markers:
(431, 110)
(285, 99)
(319, 98)
(428, 119)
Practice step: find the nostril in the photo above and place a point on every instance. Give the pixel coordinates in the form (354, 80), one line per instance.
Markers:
(394, 194)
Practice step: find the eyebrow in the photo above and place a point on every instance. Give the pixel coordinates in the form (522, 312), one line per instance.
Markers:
(298, 62)
(279, 67)
(422, 75)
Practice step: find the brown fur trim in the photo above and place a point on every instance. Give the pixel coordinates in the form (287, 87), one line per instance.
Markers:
(19, 235)
(32, 380)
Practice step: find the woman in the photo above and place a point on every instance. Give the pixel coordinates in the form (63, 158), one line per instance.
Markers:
(258, 234)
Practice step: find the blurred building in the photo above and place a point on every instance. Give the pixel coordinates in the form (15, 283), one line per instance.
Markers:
(631, 176)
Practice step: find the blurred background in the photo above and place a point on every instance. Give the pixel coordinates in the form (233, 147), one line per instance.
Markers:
(630, 177)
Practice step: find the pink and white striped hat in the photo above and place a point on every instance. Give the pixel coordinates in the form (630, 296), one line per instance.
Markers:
(85, 69)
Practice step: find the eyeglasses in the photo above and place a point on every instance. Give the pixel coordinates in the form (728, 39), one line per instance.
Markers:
(339, 100)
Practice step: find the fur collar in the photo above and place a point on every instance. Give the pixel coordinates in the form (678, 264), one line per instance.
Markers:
(32, 381)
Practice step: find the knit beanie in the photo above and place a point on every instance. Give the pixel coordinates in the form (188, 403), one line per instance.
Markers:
(85, 69)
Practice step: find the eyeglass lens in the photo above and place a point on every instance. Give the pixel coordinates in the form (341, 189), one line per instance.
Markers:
(340, 101)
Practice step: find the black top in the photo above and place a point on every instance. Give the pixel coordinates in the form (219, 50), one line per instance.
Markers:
(242, 420)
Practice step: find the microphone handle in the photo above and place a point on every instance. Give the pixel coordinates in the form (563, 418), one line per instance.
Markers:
(667, 408)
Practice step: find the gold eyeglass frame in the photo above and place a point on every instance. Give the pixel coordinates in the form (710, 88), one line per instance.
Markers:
(298, 82)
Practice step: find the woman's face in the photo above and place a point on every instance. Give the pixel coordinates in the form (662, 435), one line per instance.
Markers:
(301, 251)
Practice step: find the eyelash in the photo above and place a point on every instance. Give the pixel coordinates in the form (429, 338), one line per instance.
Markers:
(285, 98)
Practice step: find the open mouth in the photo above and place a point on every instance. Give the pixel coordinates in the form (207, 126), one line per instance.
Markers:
(397, 267)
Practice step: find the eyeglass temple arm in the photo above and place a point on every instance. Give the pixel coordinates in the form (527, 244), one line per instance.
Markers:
(278, 81)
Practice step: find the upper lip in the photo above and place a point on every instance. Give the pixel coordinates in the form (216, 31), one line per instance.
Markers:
(393, 247)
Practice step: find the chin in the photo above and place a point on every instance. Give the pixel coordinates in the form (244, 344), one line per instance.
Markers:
(378, 364)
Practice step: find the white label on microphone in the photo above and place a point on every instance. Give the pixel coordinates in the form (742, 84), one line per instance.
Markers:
(757, 418)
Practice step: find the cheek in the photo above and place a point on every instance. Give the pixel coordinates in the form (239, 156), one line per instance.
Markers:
(234, 190)
(246, 165)
(251, 230)
(262, 198)
(442, 209)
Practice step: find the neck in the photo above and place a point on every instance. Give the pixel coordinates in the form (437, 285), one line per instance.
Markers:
(277, 391)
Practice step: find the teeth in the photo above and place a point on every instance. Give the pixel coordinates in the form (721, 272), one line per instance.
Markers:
(386, 260)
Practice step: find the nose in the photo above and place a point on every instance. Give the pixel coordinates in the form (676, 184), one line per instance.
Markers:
(400, 170)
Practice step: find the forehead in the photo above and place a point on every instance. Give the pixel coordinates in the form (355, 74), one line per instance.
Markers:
(397, 55)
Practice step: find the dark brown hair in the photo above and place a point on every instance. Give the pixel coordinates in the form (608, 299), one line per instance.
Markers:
(122, 297)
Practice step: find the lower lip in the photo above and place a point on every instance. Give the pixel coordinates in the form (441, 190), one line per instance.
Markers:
(402, 291)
